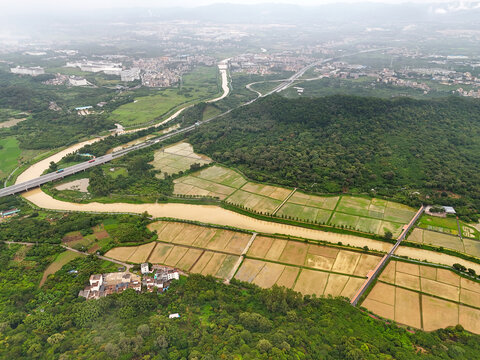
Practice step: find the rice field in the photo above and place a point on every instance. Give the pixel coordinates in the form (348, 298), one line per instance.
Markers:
(312, 256)
(308, 282)
(176, 158)
(439, 239)
(370, 215)
(62, 259)
(133, 254)
(201, 237)
(415, 295)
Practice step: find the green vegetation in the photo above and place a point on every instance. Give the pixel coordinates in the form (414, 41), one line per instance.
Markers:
(360, 145)
(447, 224)
(198, 85)
(9, 152)
(217, 321)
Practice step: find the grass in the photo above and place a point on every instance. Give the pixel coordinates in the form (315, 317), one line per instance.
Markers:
(61, 260)
(446, 225)
(9, 154)
(198, 85)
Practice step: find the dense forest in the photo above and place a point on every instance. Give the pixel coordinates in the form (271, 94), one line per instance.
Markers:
(355, 144)
(238, 321)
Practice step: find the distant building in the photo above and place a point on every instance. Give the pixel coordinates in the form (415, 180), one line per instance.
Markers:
(78, 81)
(174, 316)
(130, 74)
(32, 71)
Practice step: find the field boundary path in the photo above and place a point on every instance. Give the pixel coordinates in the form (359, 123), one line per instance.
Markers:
(373, 274)
(240, 259)
(459, 230)
(127, 266)
(284, 201)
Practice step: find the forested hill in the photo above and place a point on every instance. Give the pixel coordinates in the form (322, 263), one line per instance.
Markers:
(355, 144)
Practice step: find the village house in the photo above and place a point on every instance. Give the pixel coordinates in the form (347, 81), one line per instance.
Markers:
(106, 284)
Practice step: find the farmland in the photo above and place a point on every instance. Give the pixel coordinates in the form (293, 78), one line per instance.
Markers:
(415, 295)
(370, 215)
(307, 268)
(200, 84)
(57, 264)
(91, 242)
(440, 239)
(301, 266)
(447, 225)
(176, 158)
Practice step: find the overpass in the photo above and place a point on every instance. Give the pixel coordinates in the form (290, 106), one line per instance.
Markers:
(372, 275)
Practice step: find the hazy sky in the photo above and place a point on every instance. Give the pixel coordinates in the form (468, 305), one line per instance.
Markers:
(18, 4)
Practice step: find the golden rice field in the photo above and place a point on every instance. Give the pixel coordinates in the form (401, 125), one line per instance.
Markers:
(415, 295)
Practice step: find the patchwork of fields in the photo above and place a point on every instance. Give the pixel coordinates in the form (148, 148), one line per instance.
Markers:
(438, 239)
(304, 267)
(307, 268)
(92, 242)
(176, 158)
(374, 216)
(425, 297)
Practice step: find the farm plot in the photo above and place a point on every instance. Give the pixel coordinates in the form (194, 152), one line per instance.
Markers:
(200, 236)
(443, 240)
(315, 257)
(134, 254)
(62, 259)
(176, 158)
(414, 294)
(374, 216)
(446, 225)
(255, 202)
(266, 274)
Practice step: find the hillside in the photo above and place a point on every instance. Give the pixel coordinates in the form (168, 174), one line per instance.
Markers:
(217, 321)
(345, 143)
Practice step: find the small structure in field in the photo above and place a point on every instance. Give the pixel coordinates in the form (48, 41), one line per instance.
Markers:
(174, 316)
(8, 213)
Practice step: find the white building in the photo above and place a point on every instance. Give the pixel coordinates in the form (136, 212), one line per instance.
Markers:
(32, 71)
(130, 74)
(77, 81)
(173, 276)
(95, 282)
(174, 316)
(144, 268)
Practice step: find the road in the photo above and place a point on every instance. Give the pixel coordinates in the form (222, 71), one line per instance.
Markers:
(33, 183)
(127, 266)
(372, 275)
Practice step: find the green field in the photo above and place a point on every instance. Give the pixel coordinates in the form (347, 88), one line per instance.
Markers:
(373, 216)
(446, 225)
(9, 154)
(200, 84)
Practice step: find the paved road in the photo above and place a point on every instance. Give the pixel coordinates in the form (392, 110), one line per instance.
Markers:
(378, 269)
(25, 186)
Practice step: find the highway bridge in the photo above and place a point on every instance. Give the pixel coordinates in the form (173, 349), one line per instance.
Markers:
(25, 186)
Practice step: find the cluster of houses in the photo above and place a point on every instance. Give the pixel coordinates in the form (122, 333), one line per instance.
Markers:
(156, 279)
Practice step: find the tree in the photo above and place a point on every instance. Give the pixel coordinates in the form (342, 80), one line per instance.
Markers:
(53, 167)
(388, 235)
